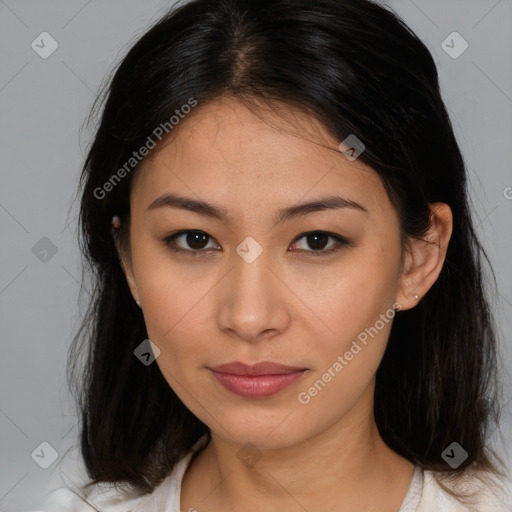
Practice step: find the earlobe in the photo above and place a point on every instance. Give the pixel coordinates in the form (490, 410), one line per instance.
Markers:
(424, 259)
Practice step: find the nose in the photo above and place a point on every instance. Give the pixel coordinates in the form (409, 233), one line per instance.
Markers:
(252, 301)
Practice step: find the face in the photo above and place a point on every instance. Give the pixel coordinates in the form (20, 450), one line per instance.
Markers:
(313, 289)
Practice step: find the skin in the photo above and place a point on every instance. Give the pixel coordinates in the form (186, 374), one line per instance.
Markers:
(286, 307)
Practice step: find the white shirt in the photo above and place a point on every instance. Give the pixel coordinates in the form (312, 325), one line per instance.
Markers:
(423, 495)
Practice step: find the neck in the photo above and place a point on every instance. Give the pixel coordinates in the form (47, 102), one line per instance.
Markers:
(346, 467)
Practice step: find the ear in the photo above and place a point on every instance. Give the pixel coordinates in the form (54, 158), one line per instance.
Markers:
(125, 260)
(424, 259)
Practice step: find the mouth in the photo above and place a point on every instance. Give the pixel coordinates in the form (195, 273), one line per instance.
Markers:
(257, 381)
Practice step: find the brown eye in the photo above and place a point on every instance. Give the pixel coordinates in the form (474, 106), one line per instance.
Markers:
(317, 241)
(197, 241)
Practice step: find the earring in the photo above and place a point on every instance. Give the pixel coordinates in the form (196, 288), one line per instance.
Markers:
(138, 304)
(415, 297)
(116, 221)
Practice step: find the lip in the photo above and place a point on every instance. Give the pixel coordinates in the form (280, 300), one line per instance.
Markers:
(259, 380)
(257, 369)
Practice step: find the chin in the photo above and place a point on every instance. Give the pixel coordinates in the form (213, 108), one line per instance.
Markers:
(267, 433)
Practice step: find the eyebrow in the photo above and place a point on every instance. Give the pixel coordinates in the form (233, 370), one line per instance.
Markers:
(208, 210)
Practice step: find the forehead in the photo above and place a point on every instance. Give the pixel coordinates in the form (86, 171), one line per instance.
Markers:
(244, 157)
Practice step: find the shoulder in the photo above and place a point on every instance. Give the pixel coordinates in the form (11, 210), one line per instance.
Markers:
(109, 498)
(487, 493)
(98, 499)
(105, 497)
(72, 492)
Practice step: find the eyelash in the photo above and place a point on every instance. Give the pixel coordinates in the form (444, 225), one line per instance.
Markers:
(341, 242)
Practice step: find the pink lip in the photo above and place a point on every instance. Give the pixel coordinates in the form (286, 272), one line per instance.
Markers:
(260, 380)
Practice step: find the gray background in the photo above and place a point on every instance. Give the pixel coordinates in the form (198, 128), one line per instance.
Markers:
(43, 104)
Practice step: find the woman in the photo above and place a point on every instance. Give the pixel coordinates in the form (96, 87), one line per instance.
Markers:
(290, 310)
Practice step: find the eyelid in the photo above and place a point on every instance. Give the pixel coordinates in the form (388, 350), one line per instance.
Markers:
(340, 242)
(168, 239)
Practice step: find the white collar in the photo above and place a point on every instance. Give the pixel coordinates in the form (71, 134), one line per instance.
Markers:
(104, 497)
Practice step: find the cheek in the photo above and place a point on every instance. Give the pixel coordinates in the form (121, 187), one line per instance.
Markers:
(171, 290)
(346, 366)
(350, 296)
(354, 304)
(174, 319)
(168, 306)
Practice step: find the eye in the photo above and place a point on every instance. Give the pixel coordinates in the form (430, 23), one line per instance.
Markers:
(318, 241)
(198, 242)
